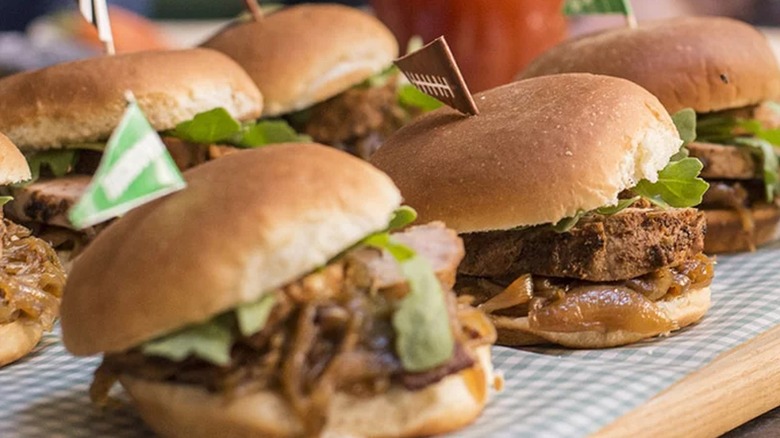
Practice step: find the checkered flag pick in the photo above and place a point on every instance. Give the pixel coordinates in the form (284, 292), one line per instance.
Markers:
(96, 12)
(433, 70)
(136, 168)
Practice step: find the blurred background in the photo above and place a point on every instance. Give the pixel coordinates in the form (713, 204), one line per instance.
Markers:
(492, 39)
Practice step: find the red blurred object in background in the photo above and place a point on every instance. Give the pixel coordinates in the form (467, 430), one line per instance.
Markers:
(492, 40)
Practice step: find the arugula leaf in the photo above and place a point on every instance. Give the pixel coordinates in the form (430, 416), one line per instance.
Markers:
(59, 162)
(765, 153)
(253, 316)
(621, 205)
(678, 185)
(209, 127)
(423, 335)
(567, 223)
(210, 341)
(267, 132)
(5, 200)
(410, 96)
(685, 121)
(402, 216)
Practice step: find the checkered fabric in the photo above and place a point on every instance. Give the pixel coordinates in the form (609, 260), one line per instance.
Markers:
(547, 393)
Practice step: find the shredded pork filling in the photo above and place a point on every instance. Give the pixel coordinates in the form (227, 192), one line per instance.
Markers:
(329, 332)
(31, 280)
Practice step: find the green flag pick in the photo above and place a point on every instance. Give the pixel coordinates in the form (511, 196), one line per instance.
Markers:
(585, 7)
(135, 169)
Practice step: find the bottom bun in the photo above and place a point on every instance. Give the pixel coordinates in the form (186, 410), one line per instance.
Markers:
(726, 234)
(175, 410)
(17, 339)
(684, 310)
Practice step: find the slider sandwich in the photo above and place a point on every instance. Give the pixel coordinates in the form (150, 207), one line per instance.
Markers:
(284, 307)
(572, 199)
(726, 72)
(31, 276)
(61, 117)
(327, 70)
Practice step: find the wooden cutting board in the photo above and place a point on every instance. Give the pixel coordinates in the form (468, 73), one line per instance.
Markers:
(737, 386)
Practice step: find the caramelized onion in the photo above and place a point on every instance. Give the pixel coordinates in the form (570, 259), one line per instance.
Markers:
(653, 285)
(600, 308)
(32, 278)
(518, 292)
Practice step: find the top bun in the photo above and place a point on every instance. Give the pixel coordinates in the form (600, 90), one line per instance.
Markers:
(539, 151)
(704, 63)
(246, 224)
(83, 101)
(305, 54)
(13, 166)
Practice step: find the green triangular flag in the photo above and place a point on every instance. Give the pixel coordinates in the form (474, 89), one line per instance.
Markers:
(135, 169)
(582, 7)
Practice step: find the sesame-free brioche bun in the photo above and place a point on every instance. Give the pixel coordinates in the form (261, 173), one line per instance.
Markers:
(726, 233)
(175, 410)
(83, 101)
(13, 166)
(17, 339)
(540, 150)
(704, 63)
(683, 310)
(305, 54)
(246, 224)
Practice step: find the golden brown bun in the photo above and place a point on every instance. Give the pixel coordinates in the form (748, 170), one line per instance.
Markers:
(18, 339)
(726, 234)
(684, 310)
(704, 63)
(540, 150)
(83, 101)
(188, 411)
(246, 224)
(305, 54)
(13, 165)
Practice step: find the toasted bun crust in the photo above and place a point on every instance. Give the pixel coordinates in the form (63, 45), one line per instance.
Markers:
(684, 310)
(540, 150)
(305, 54)
(725, 233)
(13, 166)
(704, 63)
(18, 339)
(83, 101)
(188, 411)
(247, 223)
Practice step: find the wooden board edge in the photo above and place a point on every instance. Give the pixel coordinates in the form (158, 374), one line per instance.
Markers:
(737, 386)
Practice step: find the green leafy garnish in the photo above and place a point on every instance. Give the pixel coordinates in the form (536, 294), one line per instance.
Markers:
(402, 216)
(210, 127)
(217, 126)
(620, 206)
(765, 154)
(210, 341)
(685, 121)
(253, 316)
(267, 132)
(423, 335)
(410, 96)
(5, 200)
(59, 162)
(678, 185)
(567, 223)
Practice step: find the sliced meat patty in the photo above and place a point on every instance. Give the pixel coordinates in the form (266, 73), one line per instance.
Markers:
(724, 162)
(631, 243)
(47, 200)
(439, 245)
